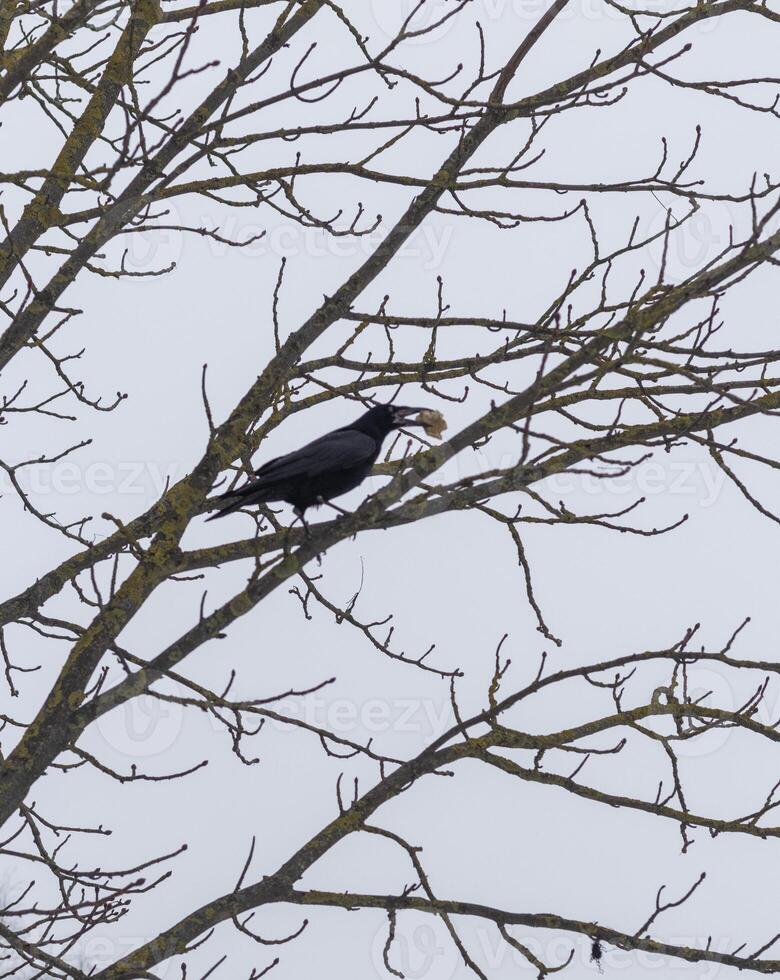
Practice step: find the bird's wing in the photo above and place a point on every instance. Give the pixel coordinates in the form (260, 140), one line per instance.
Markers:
(339, 450)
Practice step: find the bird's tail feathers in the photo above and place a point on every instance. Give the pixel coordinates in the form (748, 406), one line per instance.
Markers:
(233, 500)
(225, 509)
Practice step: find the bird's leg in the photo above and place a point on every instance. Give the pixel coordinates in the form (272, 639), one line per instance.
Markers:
(299, 516)
(339, 510)
(328, 503)
(299, 512)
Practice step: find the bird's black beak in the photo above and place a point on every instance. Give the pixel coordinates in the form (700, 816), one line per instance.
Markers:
(405, 416)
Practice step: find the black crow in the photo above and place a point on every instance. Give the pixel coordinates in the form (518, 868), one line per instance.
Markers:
(322, 469)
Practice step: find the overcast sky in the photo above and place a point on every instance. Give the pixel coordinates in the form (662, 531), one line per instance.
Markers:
(451, 580)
